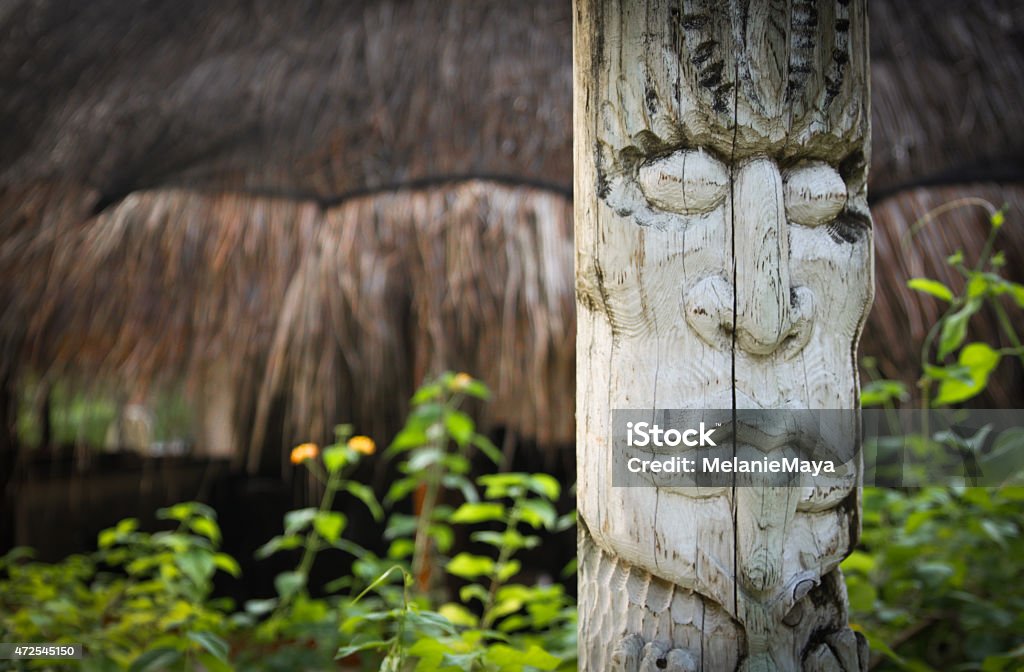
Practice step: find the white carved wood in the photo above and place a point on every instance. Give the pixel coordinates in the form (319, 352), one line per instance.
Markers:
(723, 261)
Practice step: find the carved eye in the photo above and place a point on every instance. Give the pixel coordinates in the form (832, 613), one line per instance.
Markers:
(687, 182)
(814, 194)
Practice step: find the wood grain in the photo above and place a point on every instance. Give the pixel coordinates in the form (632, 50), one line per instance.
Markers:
(711, 183)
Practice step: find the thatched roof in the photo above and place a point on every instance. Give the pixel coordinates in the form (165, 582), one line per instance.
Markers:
(947, 80)
(319, 100)
(337, 312)
(338, 198)
(311, 100)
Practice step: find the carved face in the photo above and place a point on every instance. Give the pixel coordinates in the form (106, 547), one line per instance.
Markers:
(754, 281)
(731, 267)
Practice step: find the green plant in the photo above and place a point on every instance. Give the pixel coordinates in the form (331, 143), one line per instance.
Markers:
(933, 583)
(430, 465)
(495, 624)
(145, 601)
(142, 601)
(966, 377)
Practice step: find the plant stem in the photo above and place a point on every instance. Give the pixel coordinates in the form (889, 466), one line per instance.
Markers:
(1011, 333)
(312, 546)
(421, 548)
(503, 557)
(986, 251)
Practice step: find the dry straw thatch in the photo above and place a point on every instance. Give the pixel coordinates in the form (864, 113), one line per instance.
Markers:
(313, 205)
(334, 314)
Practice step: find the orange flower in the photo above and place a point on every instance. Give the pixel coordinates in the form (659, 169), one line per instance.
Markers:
(362, 444)
(306, 451)
(461, 381)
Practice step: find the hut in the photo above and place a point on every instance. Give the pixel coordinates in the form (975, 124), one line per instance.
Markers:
(290, 215)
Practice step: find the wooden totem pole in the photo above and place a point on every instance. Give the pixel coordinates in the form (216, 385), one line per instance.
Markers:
(723, 261)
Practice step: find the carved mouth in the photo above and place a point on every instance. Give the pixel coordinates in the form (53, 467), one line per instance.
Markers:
(772, 432)
(774, 439)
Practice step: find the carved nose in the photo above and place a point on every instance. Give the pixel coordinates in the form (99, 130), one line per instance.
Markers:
(760, 311)
(770, 312)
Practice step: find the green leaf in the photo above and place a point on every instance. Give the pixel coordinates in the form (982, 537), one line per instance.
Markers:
(977, 286)
(127, 526)
(473, 591)
(469, 566)
(462, 484)
(179, 512)
(435, 656)
(206, 527)
(364, 494)
(185, 510)
(455, 463)
(931, 287)
(227, 564)
(980, 360)
(1017, 292)
(424, 458)
(260, 607)
(335, 458)
(1006, 460)
(107, 538)
(503, 656)
(861, 593)
(442, 535)
(545, 485)
(477, 389)
(196, 564)
(298, 520)
(400, 525)
(508, 569)
(409, 437)
(953, 372)
(400, 489)
(487, 447)
(428, 392)
(289, 583)
(881, 392)
(111, 536)
(504, 485)
(954, 328)
(278, 543)
(216, 646)
(458, 614)
(538, 513)
(859, 561)
(156, 660)
(329, 525)
(210, 663)
(460, 426)
(510, 539)
(478, 513)
(427, 620)
(352, 649)
(401, 548)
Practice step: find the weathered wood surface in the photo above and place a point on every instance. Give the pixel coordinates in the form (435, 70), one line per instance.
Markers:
(723, 260)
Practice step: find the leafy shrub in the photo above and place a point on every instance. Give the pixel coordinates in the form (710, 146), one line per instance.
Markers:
(935, 582)
(144, 601)
(141, 601)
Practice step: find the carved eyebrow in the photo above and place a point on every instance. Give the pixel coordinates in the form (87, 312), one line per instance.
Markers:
(687, 182)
